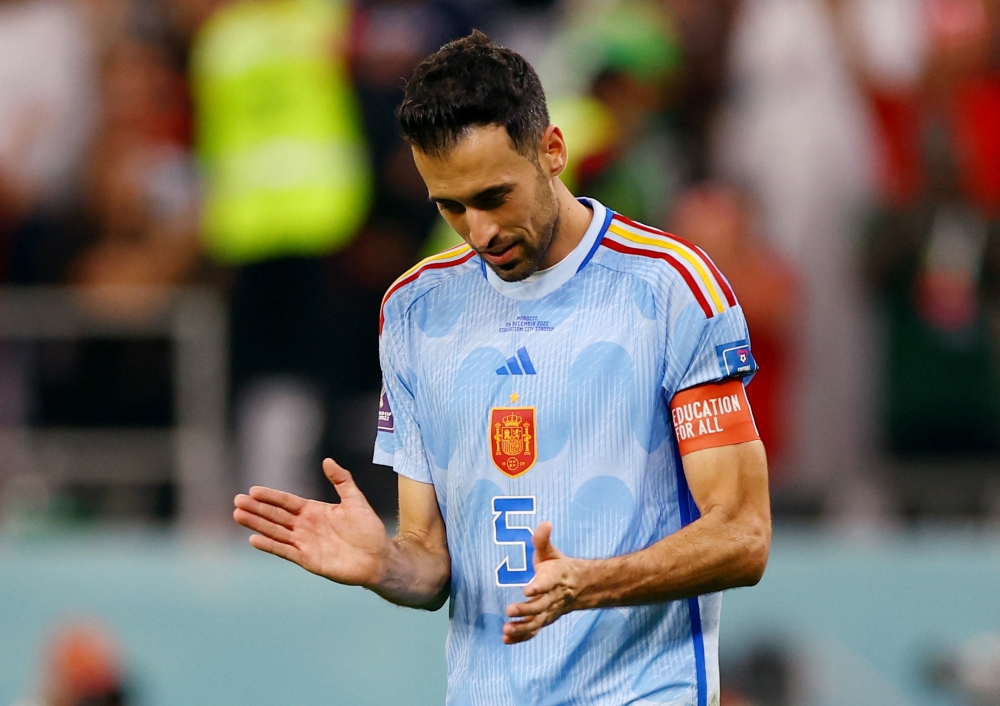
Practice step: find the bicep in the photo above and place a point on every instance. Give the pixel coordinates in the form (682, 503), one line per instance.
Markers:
(730, 480)
(419, 514)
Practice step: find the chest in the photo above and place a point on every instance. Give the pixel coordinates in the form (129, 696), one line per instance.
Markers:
(594, 343)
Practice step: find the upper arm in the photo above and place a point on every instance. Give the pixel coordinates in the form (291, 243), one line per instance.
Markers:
(731, 480)
(399, 442)
(709, 361)
(729, 486)
(419, 514)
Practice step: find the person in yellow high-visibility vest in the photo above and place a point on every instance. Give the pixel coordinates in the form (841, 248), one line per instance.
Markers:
(286, 181)
(278, 131)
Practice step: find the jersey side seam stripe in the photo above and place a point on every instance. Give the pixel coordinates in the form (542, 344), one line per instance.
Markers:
(698, 638)
(684, 501)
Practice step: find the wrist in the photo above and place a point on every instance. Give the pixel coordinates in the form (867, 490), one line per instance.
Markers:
(586, 583)
(382, 563)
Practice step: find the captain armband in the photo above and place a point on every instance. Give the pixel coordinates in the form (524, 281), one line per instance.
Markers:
(713, 414)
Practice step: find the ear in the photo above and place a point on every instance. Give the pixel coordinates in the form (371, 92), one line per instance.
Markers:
(552, 152)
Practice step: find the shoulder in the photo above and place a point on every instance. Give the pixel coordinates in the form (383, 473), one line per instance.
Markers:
(668, 263)
(423, 277)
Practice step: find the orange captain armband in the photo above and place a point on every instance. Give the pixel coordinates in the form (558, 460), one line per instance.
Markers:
(713, 414)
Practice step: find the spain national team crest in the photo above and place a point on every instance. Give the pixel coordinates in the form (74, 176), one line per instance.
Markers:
(513, 445)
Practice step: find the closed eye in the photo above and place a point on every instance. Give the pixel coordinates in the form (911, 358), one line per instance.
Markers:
(450, 206)
(492, 198)
(486, 200)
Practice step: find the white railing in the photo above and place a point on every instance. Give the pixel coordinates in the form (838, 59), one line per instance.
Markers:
(192, 454)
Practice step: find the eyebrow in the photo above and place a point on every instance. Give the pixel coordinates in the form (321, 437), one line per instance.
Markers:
(485, 194)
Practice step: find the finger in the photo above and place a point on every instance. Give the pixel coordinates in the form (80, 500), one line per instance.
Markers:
(271, 512)
(522, 630)
(544, 551)
(264, 527)
(532, 607)
(343, 482)
(285, 551)
(539, 585)
(278, 498)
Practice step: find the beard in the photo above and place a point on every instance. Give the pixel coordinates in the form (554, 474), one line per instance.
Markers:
(545, 223)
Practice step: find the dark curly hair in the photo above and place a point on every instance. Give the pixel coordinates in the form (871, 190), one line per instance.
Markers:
(471, 82)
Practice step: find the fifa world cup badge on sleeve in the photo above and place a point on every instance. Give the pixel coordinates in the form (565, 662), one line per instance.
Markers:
(513, 445)
(385, 422)
(735, 359)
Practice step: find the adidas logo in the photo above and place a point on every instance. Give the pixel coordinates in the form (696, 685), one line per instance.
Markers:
(519, 364)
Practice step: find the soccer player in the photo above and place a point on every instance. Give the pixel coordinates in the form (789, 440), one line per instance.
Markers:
(566, 370)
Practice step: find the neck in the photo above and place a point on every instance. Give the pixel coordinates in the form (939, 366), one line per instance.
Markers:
(574, 219)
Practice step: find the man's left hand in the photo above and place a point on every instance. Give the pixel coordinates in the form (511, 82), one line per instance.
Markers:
(550, 594)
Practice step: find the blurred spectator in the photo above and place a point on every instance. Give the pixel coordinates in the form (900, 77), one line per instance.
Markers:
(624, 59)
(641, 171)
(287, 181)
(930, 61)
(82, 667)
(132, 227)
(720, 220)
(764, 676)
(47, 107)
(133, 221)
(793, 125)
(703, 31)
(286, 168)
(142, 187)
(388, 39)
(934, 245)
(672, 53)
(972, 670)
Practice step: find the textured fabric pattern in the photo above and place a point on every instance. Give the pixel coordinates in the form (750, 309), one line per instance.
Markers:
(609, 348)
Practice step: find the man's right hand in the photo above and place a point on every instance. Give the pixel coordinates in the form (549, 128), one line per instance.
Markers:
(344, 542)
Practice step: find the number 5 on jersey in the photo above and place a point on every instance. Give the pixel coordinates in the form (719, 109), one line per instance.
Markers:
(505, 533)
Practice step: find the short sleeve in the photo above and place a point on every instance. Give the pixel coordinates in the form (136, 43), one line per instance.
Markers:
(398, 442)
(704, 349)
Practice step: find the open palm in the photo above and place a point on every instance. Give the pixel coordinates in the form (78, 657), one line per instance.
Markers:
(344, 542)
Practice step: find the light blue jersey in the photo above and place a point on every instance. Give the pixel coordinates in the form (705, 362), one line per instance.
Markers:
(548, 399)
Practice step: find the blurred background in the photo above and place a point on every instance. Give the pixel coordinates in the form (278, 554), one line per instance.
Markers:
(202, 203)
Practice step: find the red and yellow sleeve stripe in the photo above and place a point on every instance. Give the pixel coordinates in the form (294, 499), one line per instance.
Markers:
(710, 288)
(447, 258)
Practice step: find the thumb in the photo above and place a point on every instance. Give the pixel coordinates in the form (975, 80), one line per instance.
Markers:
(343, 481)
(542, 540)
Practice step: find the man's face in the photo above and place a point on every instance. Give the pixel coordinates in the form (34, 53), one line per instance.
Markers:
(501, 202)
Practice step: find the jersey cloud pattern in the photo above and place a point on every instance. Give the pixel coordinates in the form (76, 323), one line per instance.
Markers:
(548, 399)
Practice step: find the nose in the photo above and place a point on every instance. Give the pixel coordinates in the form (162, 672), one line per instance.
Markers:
(482, 228)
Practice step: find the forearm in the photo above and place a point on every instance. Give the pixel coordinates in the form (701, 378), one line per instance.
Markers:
(414, 574)
(726, 547)
(711, 554)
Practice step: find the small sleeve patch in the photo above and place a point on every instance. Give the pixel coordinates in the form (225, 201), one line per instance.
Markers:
(735, 359)
(385, 422)
(713, 414)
